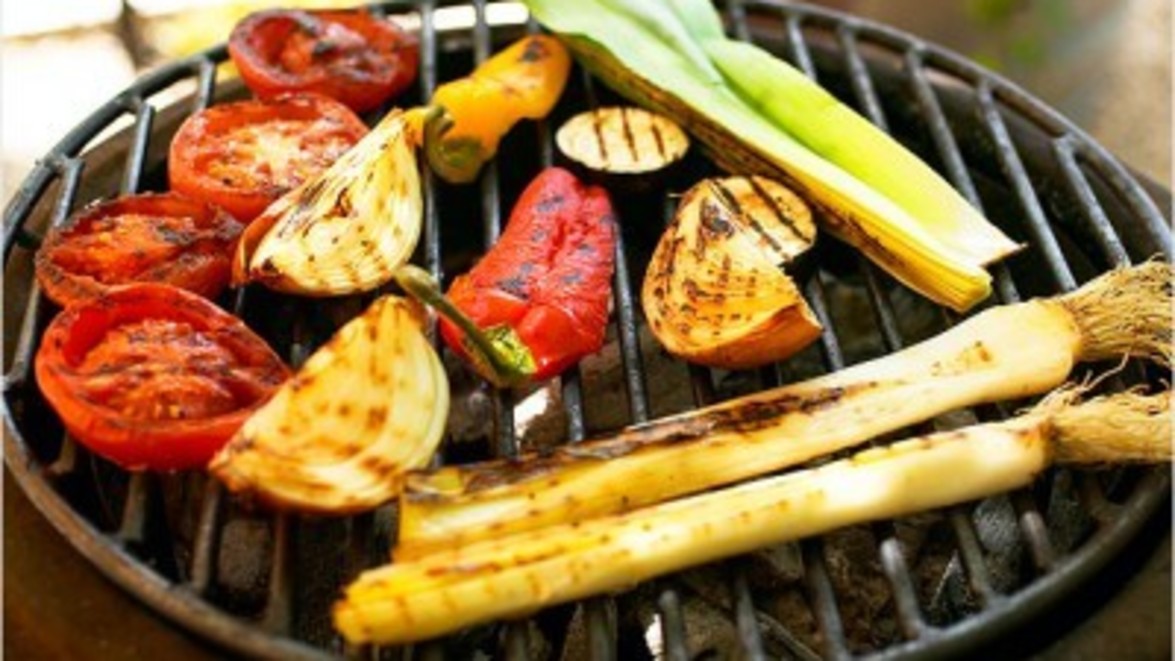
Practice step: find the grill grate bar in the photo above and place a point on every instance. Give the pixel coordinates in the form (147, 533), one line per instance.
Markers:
(205, 70)
(133, 169)
(428, 83)
(738, 19)
(940, 130)
(893, 564)
(279, 611)
(971, 554)
(1143, 209)
(893, 561)
(822, 599)
(1092, 212)
(136, 510)
(797, 48)
(279, 608)
(744, 613)
(816, 576)
(208, 527)
(70, 171)
(21, 206)
(1013, 167)
(672, 626)
(1035, 531)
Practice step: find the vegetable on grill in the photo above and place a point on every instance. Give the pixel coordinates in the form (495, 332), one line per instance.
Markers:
(244, 155)
(518, 574)
(672, 57)
(369, 405)
(717, 291)
(154, 377)
(348, 229)
(537, 302)
(523, 81)
(349, 55)
(166, 238)
(1002, 353)
(622, 141)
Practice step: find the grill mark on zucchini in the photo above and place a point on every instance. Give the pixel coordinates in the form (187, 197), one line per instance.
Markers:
(599, 129)
(629, 138)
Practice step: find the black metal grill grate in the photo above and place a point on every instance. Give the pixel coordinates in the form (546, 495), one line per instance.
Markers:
(994, 142)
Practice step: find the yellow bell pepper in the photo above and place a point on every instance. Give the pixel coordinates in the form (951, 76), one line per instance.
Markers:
(522, 81)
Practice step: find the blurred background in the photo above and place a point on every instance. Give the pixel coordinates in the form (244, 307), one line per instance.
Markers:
(1105, 65)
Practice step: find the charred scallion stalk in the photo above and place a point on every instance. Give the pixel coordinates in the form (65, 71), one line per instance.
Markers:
(1002, 353)
(518, 574)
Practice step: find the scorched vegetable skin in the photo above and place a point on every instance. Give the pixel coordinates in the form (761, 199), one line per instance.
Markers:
(548, 278)
(151, 376)
(154, 237)
(348, 55)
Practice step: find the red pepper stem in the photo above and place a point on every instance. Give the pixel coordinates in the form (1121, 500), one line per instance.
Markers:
(503, 358)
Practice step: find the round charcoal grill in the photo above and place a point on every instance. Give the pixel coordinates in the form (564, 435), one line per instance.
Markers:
(931, 585)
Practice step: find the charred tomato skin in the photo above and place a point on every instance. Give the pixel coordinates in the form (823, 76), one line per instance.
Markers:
(153, 377)
(225, 154)
(349, 55)
(167, 238)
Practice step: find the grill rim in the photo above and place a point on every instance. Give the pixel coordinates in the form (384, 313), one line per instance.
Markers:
(188, 609)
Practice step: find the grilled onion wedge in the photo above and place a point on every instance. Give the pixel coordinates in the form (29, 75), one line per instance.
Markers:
(622, 140)
(339, 436)
(349, 228)
(717, 290)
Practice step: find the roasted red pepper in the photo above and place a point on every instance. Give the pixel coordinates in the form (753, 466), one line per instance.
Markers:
(541, 293)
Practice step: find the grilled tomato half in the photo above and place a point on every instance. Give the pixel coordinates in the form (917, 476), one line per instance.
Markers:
(244, 155)
(150, 376)
(348, 55)
(153, 237)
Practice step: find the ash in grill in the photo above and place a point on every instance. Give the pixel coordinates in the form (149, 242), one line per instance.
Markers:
(937, 583)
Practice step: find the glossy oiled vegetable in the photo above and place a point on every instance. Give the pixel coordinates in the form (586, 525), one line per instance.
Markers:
(349, 228)
(166, 238)
(1003, 353)
(716, 291)
(523, 81)
(665, 56)
(369, 405)
(537, 302)
(515, 575)
(349, 55)
(150, 376)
